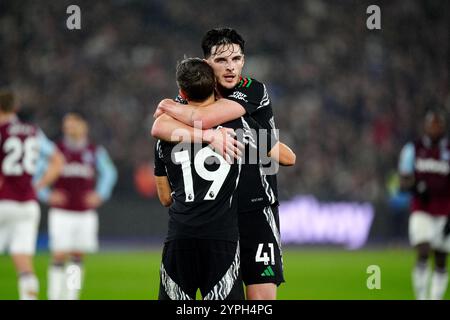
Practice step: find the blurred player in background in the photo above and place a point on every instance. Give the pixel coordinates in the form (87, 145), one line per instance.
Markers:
(261, 255)
(201, 249)
(425, 171)
(86, 182)
(21, 146)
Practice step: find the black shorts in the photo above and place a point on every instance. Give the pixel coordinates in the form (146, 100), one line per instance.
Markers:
(259, 238)
(212, 266)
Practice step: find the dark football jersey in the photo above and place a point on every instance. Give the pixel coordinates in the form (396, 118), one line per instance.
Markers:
(78, 177)
(19, 153)
(203, 190)
(265, 119)
(253, 96)
(432, 165)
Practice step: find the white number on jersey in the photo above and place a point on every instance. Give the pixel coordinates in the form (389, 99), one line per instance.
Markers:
(263, 256)
(217, 177)
(20, 156)
(182, 157)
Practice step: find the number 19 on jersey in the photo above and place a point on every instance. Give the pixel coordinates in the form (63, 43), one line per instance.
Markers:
(217, 177)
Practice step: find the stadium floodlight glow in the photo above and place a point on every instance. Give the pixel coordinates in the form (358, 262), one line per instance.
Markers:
(305, 220)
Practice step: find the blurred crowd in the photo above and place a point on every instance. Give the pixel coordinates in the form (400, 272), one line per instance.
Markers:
(345, 98)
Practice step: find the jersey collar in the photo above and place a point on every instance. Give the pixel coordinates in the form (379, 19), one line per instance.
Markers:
(74, 145)
(443, 142)
(12, 119)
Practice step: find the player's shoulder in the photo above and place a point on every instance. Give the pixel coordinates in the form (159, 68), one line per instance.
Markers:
(60, 144)
(250, 83)
(18, 127)
(409, 146)
(446, 142)
(94, 147)
(4, 126)
(424, 142)
(250, 90)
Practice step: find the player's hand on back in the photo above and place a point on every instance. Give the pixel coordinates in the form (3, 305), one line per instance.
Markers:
(93, 200)
(57, 198)
(223, 141)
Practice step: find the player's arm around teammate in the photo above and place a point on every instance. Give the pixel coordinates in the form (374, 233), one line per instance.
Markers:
(221, 140)
(168, 128)
(222, 110)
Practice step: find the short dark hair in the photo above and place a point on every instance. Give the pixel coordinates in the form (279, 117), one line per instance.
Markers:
(221, 36)
(196, 79)
(7, 100)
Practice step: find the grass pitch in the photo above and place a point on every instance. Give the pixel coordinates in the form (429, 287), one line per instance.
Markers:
(310, 274)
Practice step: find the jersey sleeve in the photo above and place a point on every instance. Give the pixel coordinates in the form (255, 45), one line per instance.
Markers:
(160, 167)
(107, 173)
(41, 167)
(265, 136)
(406, 162)
(273, 136)
(250, 94)
(46, 147)
(267, 122)
(44, 194)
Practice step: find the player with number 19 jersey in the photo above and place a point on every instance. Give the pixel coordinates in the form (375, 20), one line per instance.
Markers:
(202, 249)
(203, 184)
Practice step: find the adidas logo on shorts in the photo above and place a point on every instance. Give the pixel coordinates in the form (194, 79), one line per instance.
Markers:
(268, 272)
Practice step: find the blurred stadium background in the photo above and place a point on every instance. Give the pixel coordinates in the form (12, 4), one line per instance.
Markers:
(344, 97)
